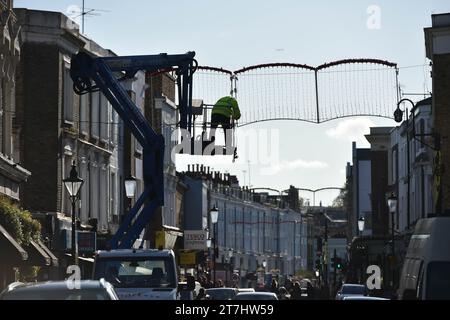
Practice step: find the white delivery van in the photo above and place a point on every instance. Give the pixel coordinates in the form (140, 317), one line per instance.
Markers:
(139, 274)
(426, 269)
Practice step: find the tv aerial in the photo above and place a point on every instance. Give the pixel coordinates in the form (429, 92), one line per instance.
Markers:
(75, 12)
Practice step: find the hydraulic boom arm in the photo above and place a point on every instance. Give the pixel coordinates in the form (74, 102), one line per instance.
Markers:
(90, 74)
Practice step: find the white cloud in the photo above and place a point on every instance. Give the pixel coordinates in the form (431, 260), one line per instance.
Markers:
(292, 165)
(351, 130)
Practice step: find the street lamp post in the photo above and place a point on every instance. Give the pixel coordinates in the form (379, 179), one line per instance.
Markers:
(326, 253)
(264, 264)
(392, 204)
(73, 185)
(130, 189)
(214, 214)
(230, 254)
(361, 225)
(208, 245)
(294, 256)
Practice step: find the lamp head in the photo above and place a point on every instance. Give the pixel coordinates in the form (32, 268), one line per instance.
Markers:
(392, 203)
(214, 214)
(361, 224)
(398, 115)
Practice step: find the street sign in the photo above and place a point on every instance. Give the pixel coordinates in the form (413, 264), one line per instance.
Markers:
(195, 239)
(87, 241)
(188, 258)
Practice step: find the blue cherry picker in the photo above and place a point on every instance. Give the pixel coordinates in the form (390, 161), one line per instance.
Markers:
(104, 74)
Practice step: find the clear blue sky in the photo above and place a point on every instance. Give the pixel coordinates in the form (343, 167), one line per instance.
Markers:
(233, 34)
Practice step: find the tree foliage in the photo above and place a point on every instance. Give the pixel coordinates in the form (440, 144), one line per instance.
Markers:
(19, 223)
(343, 199)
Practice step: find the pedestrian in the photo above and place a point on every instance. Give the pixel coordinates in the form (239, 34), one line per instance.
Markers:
(274, 287)
(288, 284)
(283, 294)
(310, 290)
(201, 294)
(224, 111)
(296, 293)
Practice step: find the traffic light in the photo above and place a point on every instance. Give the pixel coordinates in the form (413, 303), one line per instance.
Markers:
(338, 263)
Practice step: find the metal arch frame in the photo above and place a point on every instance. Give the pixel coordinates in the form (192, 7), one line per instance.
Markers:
(219, 70)
(320, 67)
(233, 78)
(313, 121)
(317, 190)
(271, 189)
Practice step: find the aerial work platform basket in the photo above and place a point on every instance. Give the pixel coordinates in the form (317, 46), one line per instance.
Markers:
(203, 140)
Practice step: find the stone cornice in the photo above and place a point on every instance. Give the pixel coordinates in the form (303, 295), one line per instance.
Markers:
(64, 40)
(12, 170)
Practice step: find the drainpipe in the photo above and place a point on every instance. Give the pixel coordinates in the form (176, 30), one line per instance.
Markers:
(408, 164)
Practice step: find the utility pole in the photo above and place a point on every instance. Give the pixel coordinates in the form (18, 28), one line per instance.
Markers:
(326, 253)
(293, 260)
(249, 181)
(334, 268)
(83, 13)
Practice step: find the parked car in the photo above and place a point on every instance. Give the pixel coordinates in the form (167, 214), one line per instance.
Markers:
(240, 290)
(426, 269)
(221, 293)
(60, 290)
(256, 296)
(349, 289)
(363, 298)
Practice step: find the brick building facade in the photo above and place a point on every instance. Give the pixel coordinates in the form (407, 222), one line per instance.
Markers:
(437, 39)
(60, 127)
(12, 172)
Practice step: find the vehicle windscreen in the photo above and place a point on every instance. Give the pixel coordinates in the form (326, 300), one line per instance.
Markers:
(353, 290)
(59, 294)
(136, 272)
(438, 280)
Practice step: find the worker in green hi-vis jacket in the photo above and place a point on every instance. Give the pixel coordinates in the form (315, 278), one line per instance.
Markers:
(225, 109)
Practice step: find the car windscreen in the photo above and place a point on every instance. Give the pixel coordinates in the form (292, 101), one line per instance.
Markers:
(57, 294)
(438, 280)
(353, 290)
(136, 272)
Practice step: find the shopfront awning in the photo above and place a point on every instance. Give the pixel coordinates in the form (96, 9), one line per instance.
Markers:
(11, 253)
(54, 259)
(37, 255)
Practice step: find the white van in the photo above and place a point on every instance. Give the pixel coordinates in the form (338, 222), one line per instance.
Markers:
(426, 270)
(139, 274)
